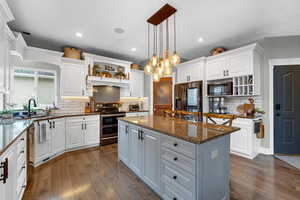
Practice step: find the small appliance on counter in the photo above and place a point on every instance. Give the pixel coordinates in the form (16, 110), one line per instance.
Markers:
(216, 105)
(134, 107)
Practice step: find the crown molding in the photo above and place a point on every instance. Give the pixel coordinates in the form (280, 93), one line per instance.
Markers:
(5, 12)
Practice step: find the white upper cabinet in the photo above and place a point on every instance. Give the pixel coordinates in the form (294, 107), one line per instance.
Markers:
(137, 83)
(190, 71)
(215, 69)
(72, 80)
(239, 62)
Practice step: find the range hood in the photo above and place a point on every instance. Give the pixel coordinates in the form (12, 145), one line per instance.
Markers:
(101, 81)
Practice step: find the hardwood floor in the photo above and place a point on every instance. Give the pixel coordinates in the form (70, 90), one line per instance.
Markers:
(96, 174)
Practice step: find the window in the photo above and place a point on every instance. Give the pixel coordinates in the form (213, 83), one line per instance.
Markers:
(34, 83)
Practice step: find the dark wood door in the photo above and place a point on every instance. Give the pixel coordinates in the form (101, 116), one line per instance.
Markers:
(287, 109)
(162, 95)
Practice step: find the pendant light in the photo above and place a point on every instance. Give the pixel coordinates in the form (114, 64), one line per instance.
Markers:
(148, 68)
(175, 59)
(154, 59)
(161, 62)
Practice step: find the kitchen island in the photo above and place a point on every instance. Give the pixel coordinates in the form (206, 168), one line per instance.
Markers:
(178, 159)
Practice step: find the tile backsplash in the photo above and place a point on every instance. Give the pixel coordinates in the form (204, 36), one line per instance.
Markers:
(233, 102)
(70, 106)
(143, 102)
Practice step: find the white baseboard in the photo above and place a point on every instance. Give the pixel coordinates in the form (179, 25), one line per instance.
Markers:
(263, 150)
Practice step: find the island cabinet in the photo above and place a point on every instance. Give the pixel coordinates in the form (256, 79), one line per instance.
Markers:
(173, 167)
(139, 149)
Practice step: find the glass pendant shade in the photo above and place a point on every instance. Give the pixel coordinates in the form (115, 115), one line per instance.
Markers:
(156, 77)
(154, 60)
(175, 58)
(148, 68)
(168, 70)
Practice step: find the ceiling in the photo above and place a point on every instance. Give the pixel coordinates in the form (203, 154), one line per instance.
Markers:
(230, 23)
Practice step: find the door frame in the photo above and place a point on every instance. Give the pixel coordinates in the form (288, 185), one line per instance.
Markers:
(272, 64)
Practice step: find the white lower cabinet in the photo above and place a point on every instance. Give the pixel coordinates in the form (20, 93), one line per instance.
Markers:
(151, 158)
(243, 142)
(82, 131)
(14, 161)
(136, 150)
(123, 142)
(74, 132)
(53, 137)
(49, 139)
(58, 130)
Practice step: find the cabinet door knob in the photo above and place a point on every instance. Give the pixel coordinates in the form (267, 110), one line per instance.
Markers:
(175, 159)
(175, 177)
(174, 198)
(175, 144)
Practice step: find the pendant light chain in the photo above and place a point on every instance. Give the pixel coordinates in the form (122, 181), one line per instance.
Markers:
(167, 35)
(175, 32)
(148, 41)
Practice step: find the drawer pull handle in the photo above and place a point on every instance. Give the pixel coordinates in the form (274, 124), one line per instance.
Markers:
(23, 167)
(22, 139)
(175, 144)
(23, 186)
(22, 151)
(175, 159)
(174, 177)
(174, 198)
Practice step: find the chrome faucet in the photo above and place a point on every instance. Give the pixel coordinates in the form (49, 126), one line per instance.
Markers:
(29, 105)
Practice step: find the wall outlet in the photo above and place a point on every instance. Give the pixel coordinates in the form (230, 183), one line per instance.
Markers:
(214, 154)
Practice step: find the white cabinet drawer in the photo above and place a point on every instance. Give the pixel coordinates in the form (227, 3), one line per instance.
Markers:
(91, 117)
(178, 176)
(174, 191)
(178, 160)
(83, 118)
(180, 146)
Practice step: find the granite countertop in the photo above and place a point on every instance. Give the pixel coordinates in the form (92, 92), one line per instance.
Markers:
(10, 132)
(195, 132)
(137, 111)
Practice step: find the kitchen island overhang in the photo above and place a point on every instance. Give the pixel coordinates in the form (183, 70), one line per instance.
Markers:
(178, 159)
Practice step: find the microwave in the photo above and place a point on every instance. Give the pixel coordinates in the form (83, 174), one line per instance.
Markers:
(220, 88)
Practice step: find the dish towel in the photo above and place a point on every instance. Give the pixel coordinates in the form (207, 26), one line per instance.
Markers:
(42, 132)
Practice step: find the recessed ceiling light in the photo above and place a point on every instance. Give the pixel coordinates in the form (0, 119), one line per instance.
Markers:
(133, 49)
(119, 30)
(200, 39)
(78, 34)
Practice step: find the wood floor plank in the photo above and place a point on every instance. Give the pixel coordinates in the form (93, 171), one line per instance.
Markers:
(96, 174)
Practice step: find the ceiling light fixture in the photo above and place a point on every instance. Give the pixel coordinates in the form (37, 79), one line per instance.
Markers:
(79, 34)
(200, 39)
(133, 49)
(161, 63)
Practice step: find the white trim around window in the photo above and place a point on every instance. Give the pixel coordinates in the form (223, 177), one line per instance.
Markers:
(35, 75)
